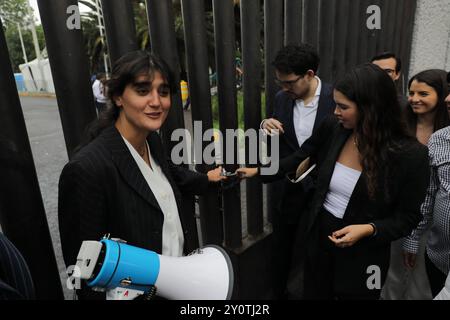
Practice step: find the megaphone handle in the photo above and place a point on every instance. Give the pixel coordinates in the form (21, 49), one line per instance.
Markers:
(149, 294)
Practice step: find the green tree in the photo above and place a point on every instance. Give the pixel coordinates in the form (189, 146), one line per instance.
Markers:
(13, 11)
(15, 47)
(15, 14)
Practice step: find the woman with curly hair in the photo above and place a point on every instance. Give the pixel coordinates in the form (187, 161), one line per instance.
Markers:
(371, 179)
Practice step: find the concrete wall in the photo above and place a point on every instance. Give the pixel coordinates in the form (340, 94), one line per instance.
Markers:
(431, 36)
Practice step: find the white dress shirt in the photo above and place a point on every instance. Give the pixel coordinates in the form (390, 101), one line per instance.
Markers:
(305, 115)
(98, 90)
(172, 235)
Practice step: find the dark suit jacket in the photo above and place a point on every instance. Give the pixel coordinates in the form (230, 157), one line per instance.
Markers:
(291, 196)
(101, 190)
(394, 217)
(15, 277)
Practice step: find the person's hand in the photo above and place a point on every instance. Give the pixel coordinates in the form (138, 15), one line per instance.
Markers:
(272, 124)
(348, 236)
(215, 175)
(247, 172)
(409, 259)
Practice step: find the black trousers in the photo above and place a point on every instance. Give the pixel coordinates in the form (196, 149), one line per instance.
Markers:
(333, 273)
(435, 276)
(283, 237)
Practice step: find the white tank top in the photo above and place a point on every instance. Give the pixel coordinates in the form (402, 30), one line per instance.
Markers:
(340, 190)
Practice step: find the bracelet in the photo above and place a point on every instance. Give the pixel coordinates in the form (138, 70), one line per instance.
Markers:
(374, 229)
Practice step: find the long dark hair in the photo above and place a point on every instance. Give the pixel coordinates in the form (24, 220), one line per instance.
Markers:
(380, 129)
(437, 79)
(125, 71)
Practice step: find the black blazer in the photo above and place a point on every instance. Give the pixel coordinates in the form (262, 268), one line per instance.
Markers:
(394, 218)
(15, 278)
(284, 112)
(101, 190)
(289, 196)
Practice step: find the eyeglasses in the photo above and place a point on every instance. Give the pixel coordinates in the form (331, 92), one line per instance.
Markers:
(287, 83)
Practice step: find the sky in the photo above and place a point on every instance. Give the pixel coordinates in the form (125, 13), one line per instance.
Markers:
(33, 4)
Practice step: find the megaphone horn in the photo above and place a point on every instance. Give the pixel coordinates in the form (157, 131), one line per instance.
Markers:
(205, 274)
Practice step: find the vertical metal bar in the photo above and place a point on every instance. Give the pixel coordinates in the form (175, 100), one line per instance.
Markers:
(226, 85)
(399, 16)
(25, 58)
(341, 38)
(163, 42)
(363, 33)
(327, 10)
(251, 37)
(273, 35)
(351, 51)
(410, 13)
(389, 44)
(69, 65)
(311, 22)
(384, 26)
(120, 29)
(373, 35)
(293, 12)
(199, 92)
(101, 26)
(273, 41)
(22, 213)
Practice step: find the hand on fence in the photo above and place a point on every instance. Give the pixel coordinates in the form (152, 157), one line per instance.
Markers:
(244, 173)
(272, 124)
(216, 175)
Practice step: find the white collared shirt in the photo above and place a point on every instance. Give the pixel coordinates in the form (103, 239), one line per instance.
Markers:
(172, 235)
(305, 115)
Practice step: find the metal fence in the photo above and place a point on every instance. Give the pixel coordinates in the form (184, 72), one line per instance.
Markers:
(338, 28)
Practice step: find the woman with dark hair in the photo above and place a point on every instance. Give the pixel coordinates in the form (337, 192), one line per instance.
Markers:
(428, 109)
(120, 182)
(435, 208)
(371, 180)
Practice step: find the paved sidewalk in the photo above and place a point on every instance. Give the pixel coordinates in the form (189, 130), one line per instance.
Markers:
(49, 153)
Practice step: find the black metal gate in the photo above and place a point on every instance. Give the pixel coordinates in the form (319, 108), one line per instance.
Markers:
(338, 28)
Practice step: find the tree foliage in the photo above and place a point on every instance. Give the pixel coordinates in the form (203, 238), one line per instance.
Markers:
(13, 11)
(15, 48)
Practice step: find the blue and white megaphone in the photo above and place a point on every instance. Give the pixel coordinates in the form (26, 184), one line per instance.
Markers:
(206, 274)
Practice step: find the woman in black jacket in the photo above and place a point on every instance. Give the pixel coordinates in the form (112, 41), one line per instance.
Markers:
(371, 179)
(121, 183)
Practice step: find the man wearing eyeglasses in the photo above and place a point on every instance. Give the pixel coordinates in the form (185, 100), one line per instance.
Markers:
(302, 103)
